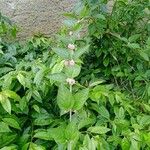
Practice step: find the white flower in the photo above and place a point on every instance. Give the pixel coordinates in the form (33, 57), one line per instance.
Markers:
(71, 46)
(70, 33)
(70, 81)
(66, 63)
(71, 62)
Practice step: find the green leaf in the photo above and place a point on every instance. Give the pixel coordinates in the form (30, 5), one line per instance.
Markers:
(125, 144)
(85, 122)
(92, 84)
(38, 77)
(80, 98)
(104, 112)
(21, 79)
(70, 22)
(36, 95)
(7, 138)
(71, 131)
(98, 129)
(134, 145)
(44, 135)
(36, 147)
(59, 77)
(133, 45)
(9, 148)
(100, 16)
(4, 127)
(106, 61)
(11, 94)
(58, 67)
(134, 37)
(5, 102)
(73, 71)
(80, 51)
(121, 113)
(89, 143)
(56, 134)
(144, 55)
(12, 123)
(65, 99)
(63, 53)
(148, 90)
(43, 121)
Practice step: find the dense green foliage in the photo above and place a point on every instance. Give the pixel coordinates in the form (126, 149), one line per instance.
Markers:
(88, 90)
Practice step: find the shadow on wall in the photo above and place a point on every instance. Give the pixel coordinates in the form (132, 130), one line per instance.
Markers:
(36, 16)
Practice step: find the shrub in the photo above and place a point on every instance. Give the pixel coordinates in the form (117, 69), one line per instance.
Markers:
(87, 90)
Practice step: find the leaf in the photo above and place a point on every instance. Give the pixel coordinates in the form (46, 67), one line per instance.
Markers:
(43, 121)
(134, 145)
(4, 127)
(36, 147)
(5, 103)
(65, 99)
(44, 135)
(125, 144)
(106, 61)
(133, 45)
(147, 107)
(134, 37)
(12, 123)
(7, 138)
(144, 120)
(100, 16)
(70, 22)
(9, 148)
(63, 53)
(58, 67)
(92, 84)
(80, 51)
(56, 134)
(38, 77)
(98, 129)
(80, 98)
(104, 112)
(59, 77)
(85, 122)
(144, 55)
(11, 94)
(71, 131)
(121, 113)
(148, 90)
(36, 95)
(21, 79)
(73, 71)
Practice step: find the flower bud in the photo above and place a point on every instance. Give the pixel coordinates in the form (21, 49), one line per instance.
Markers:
(71, 62)
(66, 63)
(70, 81)
(70, 33)
(71, 46)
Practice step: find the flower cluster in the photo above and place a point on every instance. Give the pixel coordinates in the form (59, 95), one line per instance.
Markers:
(70, 63)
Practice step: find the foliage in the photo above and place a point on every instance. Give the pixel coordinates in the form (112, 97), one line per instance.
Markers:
(87, 90)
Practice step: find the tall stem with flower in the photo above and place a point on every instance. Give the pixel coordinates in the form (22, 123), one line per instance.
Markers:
(68, 99)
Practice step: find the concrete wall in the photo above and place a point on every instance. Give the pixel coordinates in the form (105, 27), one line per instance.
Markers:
(36, 16)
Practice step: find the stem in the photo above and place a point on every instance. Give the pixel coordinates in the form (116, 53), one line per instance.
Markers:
(70, 119)
(70, 115)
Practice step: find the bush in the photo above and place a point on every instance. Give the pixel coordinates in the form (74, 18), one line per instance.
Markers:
(87, 90)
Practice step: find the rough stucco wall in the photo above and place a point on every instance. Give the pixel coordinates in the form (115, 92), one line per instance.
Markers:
(36, 16)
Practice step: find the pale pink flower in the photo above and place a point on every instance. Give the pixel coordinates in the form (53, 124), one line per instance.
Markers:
(66, 63)
(71, 62)
(70, 81)
(71, 46)
(70, 33)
